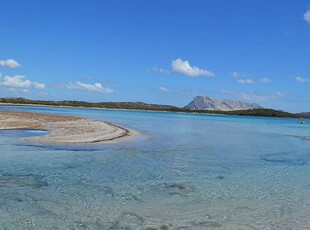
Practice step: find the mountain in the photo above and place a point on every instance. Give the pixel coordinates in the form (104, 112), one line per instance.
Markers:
(207, 103)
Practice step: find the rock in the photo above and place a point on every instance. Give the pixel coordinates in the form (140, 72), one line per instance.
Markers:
(207, 103)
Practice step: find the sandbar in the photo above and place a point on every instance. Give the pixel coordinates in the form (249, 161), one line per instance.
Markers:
(64, 129)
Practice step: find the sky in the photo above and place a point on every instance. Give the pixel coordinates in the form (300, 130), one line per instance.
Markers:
(163, 51)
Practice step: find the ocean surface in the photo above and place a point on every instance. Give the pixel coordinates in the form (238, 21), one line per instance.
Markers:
(185, 171)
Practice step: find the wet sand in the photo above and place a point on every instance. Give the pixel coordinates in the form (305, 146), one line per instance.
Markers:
(64, 129)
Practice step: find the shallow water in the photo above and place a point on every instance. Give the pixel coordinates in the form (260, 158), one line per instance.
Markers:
(185, 171)
(22, 133)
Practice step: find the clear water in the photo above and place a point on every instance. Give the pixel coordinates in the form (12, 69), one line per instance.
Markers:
(185, 171)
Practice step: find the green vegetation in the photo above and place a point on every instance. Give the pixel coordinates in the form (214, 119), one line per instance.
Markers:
(109, 105)
(307, 114)
(151, 107)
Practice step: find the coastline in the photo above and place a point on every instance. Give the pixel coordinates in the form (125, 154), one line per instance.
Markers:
(64, 129)
(193, 112)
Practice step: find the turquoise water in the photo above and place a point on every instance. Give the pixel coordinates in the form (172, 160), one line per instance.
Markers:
(185, 171)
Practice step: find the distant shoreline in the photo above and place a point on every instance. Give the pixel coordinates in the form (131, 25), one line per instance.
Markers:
(64, 129)
(151, 107)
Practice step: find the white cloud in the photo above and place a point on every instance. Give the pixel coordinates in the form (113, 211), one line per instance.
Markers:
(183, 67)
(164, 89)
(302, 80)
(12, 89)
(25, 90)
(97, 87)
(20, 81)
(246, 78)
(254, 96)
(260, 96)
(180, 66)
(155, 69)
(235, 74)
(265, 80)
(245, 81)
(42, 93)
(16, 81)
(38, 85)
(11, 63)
(307, 16)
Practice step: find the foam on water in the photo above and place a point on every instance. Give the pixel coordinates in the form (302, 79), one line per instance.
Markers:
(192, 172)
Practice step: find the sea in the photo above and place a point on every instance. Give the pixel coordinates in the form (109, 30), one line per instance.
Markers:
(183, 171)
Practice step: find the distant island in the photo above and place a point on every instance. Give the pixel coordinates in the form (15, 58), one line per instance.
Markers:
(207, 103)
(263, 112)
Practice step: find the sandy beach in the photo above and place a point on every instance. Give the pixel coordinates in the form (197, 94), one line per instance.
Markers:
(64, 129)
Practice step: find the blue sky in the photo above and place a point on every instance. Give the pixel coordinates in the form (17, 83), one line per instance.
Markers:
(162, 51)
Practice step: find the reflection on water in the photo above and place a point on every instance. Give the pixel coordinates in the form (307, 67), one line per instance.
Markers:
(193, 172)
(22, 133)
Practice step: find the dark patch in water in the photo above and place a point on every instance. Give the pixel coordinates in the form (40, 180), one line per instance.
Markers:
(80, 224)
(179, 188)
(102, 188)
(284, 158)
(134, 219)
(132, 215)
(219, 177)
(109, 191)
(163, 227)
(303, 138)
(15, 196)
(206, 224)
(178, 194)
(31, 181)
(61, 148)
(214, 177)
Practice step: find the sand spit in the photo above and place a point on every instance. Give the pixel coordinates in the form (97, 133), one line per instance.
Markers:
(64, 129)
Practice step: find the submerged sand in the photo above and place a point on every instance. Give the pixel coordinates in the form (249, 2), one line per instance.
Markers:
(64, 129)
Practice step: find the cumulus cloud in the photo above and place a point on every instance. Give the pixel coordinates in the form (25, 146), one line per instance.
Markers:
(12, 90)
(302, 80)
(97, 87)
(265, 80)
(180, 66)
(261, 96)
(38, 85)
(42, 93)
(245, 81)
(183, 67)
(155, 69)
(307, 16)
(164, 89)
(254, 96)
(235, 74)
(244, 78)
(20, 81)
(11, 63)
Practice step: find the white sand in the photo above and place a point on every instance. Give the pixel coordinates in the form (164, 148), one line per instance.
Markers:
(64, 129)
